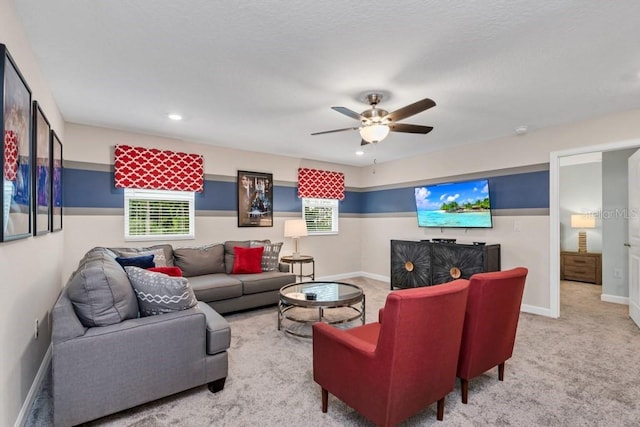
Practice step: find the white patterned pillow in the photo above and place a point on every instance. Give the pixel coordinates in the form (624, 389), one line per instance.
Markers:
(271, 256)
(158, 293)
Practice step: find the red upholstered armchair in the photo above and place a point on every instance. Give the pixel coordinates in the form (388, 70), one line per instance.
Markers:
(493, 309)
(391, 370)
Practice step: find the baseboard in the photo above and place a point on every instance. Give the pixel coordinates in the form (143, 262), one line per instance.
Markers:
(614, 299)
(33, 390)
(533, 309)
(336, 277)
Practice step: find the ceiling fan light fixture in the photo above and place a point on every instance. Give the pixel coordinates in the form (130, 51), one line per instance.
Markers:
(374, 133)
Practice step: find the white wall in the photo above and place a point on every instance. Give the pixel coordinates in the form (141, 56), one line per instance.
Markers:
(31, 268)
(580, 192)
(615, 201)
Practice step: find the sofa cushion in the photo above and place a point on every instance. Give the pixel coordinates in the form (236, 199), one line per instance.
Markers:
(229, 255)
(247, 260)
(100, 290)
(162, 254)
(266, 281)
(198, 261)
(142, 261)
(169, 271)
(214, 287)
(158, 293)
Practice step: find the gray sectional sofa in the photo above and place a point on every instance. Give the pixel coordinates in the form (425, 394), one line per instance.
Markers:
(123, 336)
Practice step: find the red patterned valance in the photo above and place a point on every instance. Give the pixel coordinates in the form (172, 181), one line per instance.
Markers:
(150, 168)
(10, 155)
(319, 184)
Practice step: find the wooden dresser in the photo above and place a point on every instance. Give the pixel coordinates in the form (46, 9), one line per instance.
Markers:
(581, 267)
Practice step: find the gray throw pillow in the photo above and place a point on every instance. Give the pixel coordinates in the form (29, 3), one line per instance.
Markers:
(100, 290)
(270, 255)
(200, 261)
(158, 293)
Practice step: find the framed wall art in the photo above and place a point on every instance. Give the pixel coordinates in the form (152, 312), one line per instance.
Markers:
(255, 199)
(56, 182)
(41, 171)
(15, 128)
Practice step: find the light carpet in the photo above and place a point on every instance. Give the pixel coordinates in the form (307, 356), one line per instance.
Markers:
(579, 370)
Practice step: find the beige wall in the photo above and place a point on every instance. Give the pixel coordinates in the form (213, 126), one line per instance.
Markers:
(530, 245)
(30, 268)
(95, 145)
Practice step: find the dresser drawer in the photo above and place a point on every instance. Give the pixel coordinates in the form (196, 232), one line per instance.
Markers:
(578, 261)
(581, 267)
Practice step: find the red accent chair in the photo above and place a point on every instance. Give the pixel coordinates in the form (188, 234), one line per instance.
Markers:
(490, 324)
(390, 370)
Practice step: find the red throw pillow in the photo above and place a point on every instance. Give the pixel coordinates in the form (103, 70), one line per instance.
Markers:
(247, 260)
(169, 271)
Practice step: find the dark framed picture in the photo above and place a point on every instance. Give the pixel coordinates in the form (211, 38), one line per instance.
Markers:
(15, 128)
(41, 171)
(56, 182)
(255, 199)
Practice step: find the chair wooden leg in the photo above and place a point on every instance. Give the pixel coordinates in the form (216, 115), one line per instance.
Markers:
(464, 387)
(325, 400)
(501, 372)
(440, 415)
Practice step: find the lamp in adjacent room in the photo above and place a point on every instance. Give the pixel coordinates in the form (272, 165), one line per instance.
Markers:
(295, 228)
(583, 221)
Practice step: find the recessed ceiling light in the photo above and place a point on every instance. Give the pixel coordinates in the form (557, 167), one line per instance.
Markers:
(521, 130)
(359, 153)
(175, 117)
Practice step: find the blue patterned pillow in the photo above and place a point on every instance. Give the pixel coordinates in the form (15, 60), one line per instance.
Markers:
(144, 261)
(158, 293)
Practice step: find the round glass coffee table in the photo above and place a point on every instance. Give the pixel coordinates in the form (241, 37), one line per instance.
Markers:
(301, 304)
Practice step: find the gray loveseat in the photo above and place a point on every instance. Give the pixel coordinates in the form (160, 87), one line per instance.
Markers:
(107, 358)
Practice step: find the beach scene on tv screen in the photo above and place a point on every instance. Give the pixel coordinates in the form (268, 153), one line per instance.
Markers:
(459, 204)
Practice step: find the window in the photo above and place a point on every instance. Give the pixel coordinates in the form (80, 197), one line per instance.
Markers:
(321, 215)
(158, 214)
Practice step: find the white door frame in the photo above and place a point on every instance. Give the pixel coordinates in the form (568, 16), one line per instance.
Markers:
(554, 212)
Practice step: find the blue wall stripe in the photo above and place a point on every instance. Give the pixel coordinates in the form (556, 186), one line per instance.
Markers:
(94, 189)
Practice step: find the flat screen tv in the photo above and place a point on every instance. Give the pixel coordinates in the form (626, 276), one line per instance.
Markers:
(455, 204)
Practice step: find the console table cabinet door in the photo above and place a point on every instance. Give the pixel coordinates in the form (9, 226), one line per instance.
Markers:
(424, 263)
(410, 264)
(581, 267)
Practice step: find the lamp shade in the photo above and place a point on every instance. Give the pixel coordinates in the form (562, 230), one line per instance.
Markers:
(583, 221)
(295, 228)
(374, 132)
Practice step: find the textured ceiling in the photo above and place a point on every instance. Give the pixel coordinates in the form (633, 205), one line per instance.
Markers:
(262, 76)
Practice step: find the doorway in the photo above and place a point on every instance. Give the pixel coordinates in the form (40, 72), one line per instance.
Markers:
(555, 212)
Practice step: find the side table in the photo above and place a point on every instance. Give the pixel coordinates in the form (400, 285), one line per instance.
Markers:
(301, 259)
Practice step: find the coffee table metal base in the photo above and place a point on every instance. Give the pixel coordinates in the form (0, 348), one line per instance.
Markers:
(285, 313)
(304, 303)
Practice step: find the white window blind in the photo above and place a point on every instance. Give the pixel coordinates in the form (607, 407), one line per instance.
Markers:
(158, 214)
(321, 215)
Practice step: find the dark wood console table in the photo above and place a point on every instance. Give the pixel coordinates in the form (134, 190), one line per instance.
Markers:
(425, 263)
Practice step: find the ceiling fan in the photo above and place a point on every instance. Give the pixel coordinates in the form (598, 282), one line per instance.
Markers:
(376, 123)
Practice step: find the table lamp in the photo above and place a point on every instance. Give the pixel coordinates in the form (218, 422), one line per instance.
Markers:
(583, 221)
(295, 228)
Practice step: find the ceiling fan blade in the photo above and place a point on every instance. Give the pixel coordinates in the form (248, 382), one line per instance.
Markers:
(350, 113)
(407, 128)
(363, 142)
(410, 110)
(335, 130)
